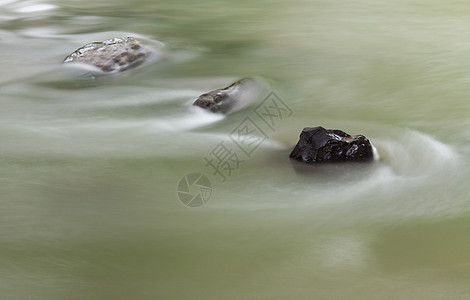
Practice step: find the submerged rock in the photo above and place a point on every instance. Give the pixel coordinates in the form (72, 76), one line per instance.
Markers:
(318, 144)
(226, 99)
(111, 56)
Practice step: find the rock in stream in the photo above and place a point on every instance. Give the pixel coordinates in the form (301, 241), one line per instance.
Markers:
(225, 100)
(318, 144)
(111, 56)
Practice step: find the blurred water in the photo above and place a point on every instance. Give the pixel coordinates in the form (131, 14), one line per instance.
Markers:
(89, 168)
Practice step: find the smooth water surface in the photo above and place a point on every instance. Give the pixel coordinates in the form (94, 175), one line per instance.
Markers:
(89, 168)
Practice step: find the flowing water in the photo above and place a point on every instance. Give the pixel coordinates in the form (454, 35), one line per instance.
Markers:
(89, 168)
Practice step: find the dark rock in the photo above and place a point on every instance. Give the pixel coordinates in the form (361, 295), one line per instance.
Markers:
(327, 145)
(114, 55)
(226, 99)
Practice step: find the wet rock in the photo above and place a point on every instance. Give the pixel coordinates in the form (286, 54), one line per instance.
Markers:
(226, 99)
(318, 144)
(111, 56)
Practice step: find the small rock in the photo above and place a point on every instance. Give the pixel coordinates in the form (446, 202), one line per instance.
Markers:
(224, 100)
(111, 56)
(318, 144)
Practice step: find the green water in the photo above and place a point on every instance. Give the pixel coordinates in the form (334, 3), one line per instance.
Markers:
(89, 169)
